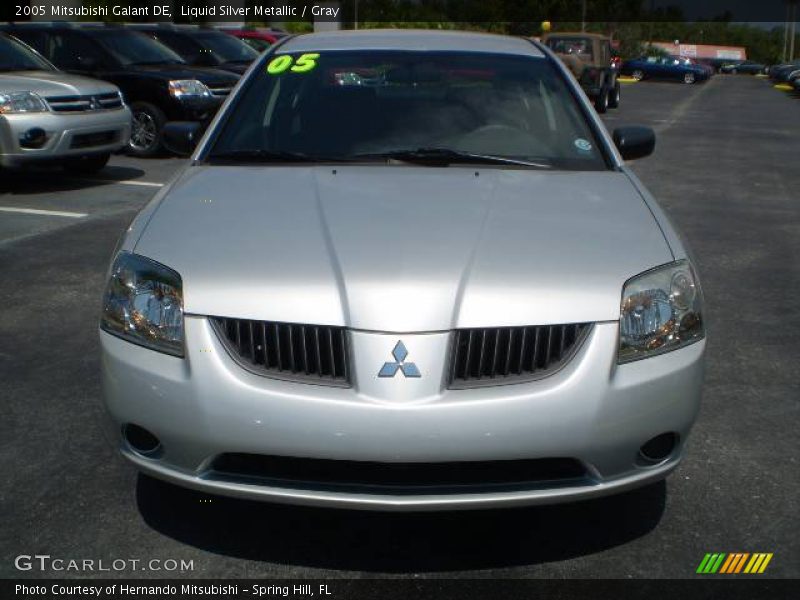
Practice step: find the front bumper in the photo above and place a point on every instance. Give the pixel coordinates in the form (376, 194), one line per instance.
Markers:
(68, 134)
(193, 108)
(593, 410)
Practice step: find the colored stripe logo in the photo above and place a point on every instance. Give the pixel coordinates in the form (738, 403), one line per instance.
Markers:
(734, 563)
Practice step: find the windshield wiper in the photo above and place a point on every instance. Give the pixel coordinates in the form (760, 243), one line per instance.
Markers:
(267, 156)
(448, 156)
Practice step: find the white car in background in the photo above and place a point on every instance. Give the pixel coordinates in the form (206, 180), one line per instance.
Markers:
(50, 117)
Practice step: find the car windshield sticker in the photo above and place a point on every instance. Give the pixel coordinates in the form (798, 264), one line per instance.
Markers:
(285, 62)
(583, 145)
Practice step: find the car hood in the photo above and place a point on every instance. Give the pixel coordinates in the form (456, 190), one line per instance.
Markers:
(401, 248)
(238, 67)
(53, 83)
(207, 75)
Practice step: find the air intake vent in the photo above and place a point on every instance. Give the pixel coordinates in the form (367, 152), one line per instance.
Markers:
(395, 478)
(308, 353)
(499, 355)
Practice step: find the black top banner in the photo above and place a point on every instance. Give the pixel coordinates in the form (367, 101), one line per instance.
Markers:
(411, 11)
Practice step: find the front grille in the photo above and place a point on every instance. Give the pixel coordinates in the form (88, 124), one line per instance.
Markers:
(498, 355)
(106, 101)
(395, 478)
(310, 353)
(88, 140)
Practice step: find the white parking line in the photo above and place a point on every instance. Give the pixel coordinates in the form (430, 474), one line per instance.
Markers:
(128, 182)
(36, 211)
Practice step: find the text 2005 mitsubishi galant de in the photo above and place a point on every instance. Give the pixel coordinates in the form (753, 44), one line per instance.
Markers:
(405, 271)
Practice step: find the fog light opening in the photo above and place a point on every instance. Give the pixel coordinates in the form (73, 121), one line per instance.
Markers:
(35, 137)
(659, 448)
(141, 440)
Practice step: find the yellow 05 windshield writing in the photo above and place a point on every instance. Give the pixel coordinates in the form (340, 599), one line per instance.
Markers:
(285, 62)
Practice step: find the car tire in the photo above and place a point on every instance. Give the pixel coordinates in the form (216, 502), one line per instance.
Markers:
(147, 123)
(613, 101)
(689, 78)
(86, 165)
(734, 71)
(601, 101)
(638, 74)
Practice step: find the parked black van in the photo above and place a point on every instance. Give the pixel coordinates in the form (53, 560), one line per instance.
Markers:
(201, 46)
(157, 83)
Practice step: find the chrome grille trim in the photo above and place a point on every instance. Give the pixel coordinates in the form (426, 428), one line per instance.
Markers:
(220, 91)
(106, 101)
(500, 355)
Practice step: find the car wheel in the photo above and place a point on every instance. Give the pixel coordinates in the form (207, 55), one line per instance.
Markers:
(146, 127)
(601, 102)
(613, 101)
(688, 78)
(638, 74)
(734, 71)
(87, 164)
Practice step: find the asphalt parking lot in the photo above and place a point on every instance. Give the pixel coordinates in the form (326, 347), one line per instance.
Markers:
(725, 170)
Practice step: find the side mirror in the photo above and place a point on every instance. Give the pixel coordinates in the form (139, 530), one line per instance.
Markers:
(634, 142)
(181, 137)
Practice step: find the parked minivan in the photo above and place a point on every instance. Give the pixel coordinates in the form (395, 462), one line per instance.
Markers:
(156, 82)
(50, 117)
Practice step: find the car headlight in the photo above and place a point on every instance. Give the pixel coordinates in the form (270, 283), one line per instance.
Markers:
(21, 102)
(661, 311)
(143, 304)
(180, 88)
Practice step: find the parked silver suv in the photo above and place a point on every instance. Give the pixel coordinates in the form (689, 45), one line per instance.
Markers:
(47, 116)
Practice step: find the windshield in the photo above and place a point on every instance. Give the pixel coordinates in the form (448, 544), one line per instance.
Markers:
(348, 105)
(134, 48)
(582, 47)
(256, 44)
(226, 47)
(16, 57)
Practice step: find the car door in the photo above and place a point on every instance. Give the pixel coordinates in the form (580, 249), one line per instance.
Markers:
(653, 68)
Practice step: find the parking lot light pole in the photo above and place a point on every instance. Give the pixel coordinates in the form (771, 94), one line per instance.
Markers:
(789, 31)
(583, 15)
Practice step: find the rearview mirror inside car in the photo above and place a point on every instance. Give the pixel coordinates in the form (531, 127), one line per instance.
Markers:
(634, 142)
(181, 137)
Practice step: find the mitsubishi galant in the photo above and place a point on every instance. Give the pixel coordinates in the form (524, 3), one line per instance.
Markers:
(404, 270)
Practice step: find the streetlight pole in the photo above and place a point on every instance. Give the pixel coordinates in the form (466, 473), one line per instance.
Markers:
(786, 32)
(583, 15)
(793, 30)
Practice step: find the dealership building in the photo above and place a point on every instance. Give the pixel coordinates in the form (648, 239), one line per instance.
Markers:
(703, 50)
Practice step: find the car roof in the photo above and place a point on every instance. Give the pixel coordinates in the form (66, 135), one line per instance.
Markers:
(575, 34)
(411, 39)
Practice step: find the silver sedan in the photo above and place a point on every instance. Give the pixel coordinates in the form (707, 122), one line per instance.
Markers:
(404, 271)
